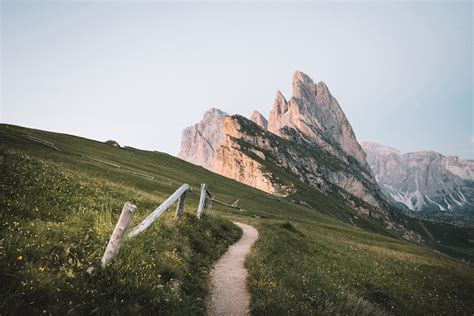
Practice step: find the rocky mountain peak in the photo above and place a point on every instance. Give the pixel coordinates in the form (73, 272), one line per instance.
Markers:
(213, 113)
(302, 86)
(324, 153)
(280, 104)
(259, 119)
(280, 107)
(315, 113)
(200, 141)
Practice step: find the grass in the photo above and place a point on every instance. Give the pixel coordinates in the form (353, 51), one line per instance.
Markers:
(314, 255)
(329, 270)
(55, 224)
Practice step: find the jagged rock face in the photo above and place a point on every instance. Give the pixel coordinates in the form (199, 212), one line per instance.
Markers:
(200, 142)
(316, 114)
(259, 119)
(308, 137)
(212, 143)
(305, 161)
(236, 160)
(423, 181)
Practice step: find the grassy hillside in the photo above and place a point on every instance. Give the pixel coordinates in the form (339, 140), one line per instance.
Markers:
(58, 210)
(55, 224)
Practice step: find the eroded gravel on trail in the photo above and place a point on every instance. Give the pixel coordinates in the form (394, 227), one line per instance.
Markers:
(228, 279)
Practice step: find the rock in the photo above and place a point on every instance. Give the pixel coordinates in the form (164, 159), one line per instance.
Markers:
(423, 181)
(308, 137)
(91, 271)
(113, 143)
(316, 114)
(211, 143)
(237, 162)
(259, 119)
(200, 142)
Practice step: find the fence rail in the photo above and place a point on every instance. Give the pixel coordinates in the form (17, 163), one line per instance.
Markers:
(158, 211)
(101, 161)
(233, 205)
(139, 174)
(42, 141)
(53, 146)
(119, 232)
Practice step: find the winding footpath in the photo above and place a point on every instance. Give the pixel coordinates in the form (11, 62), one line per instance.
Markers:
(228, 279)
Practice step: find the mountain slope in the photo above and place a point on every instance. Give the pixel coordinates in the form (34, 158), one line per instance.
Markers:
(314, 254)
(424, 181)
(316, 114)
(308, 137)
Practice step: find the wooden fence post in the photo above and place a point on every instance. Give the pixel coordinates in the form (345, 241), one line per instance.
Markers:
(209, 200)
(210, 203)
(158, 211)
(116, 238)
(180, 206)
(202, 200)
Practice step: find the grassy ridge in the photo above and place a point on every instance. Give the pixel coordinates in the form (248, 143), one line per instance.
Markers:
(319, 259)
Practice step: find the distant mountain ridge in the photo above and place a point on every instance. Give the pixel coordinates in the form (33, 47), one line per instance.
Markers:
(424, 181)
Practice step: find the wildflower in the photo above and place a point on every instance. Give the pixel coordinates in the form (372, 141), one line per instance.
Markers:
(20, 258)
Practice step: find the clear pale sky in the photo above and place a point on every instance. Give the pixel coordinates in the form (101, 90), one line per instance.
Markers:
(140, 72)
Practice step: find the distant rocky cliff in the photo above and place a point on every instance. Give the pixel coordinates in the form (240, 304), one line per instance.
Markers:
(307, 137)
(423, 181)
(200, 142)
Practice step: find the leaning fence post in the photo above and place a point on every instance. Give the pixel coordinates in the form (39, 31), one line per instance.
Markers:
(158, 211)
(180, 207)
(202, 200)
(116, 239)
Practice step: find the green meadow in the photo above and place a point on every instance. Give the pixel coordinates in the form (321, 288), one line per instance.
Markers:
(314, 255)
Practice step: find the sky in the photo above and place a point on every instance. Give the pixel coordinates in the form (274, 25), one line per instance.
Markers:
(139, 72)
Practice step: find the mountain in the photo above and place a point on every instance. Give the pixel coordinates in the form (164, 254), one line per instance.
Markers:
(307, 138)
(200, 141)
(316, 114)
(423, 181)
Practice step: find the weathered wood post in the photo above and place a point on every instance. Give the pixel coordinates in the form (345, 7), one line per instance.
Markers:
(158, 211)
(116, 239)
(209, 200)
(236, 204)
(180, 206)
(202, 200)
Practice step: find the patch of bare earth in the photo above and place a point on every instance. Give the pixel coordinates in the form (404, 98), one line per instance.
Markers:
(228, 293)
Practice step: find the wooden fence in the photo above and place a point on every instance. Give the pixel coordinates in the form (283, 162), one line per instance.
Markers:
(119, 232)
(42, 141)
(108, 163)
(128, 210)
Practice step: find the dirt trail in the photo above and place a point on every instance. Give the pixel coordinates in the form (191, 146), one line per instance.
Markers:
(228, 279)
